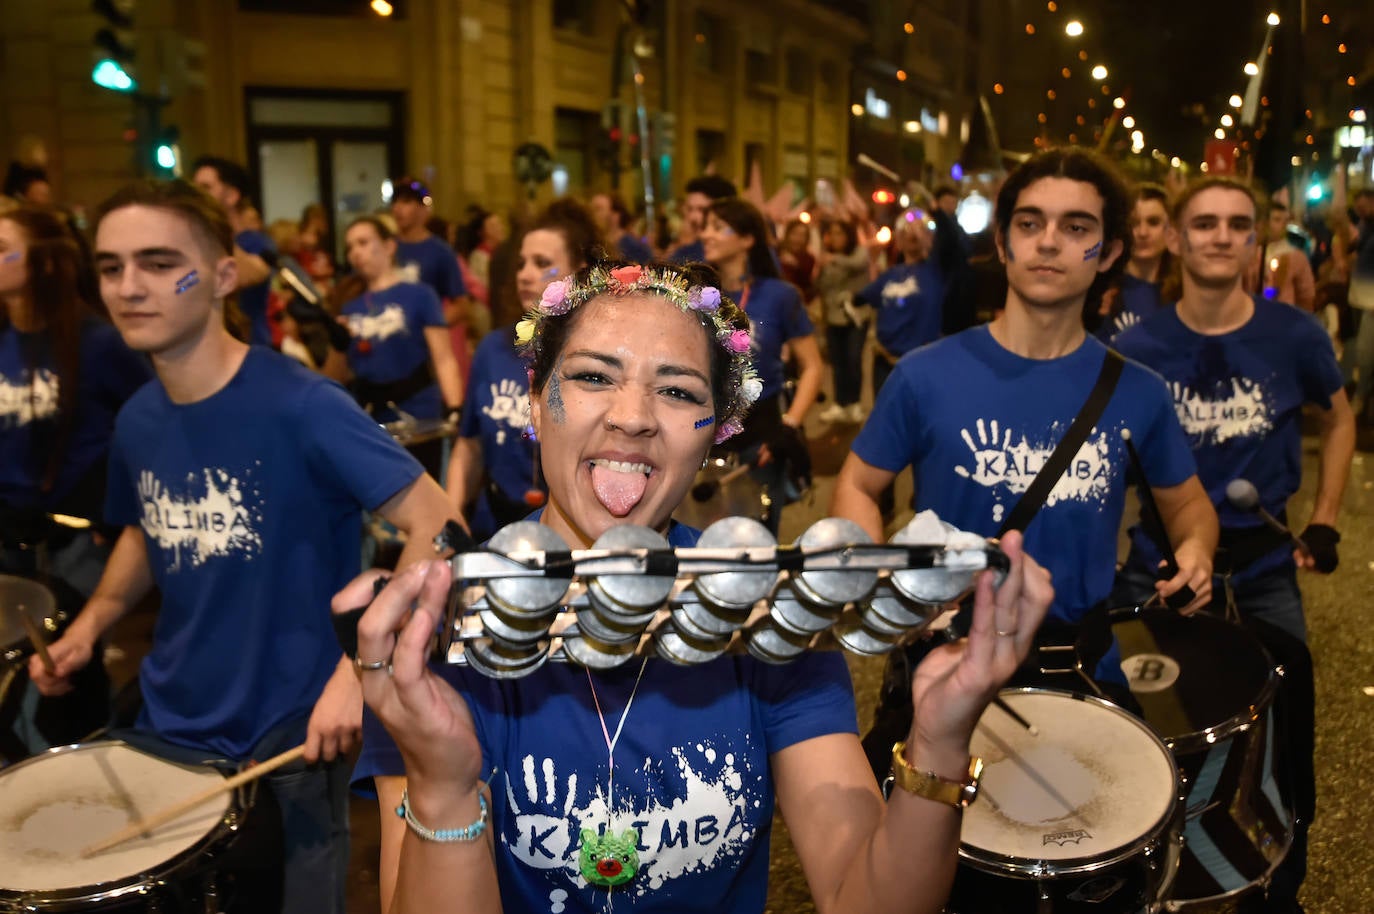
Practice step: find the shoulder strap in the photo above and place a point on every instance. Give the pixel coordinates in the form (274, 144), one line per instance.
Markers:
(1040, 487)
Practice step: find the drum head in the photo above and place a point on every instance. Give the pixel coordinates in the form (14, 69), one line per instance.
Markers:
(1190, 674)
(21, 595)
(1093, 786)
(61, 802)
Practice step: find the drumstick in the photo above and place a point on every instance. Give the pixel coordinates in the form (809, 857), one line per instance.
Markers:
(36, 639)
(1011, 712)
(168, 813)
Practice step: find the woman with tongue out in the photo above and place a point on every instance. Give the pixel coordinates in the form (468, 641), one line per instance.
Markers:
(652, 786)
(735, 240)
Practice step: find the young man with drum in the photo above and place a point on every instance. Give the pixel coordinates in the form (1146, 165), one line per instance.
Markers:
(240, 479)
(1241, 369)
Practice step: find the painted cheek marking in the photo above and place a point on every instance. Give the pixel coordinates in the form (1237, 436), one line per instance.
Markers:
(551, 273)
(1011, 255)
(1092, 252)
(187, 282)
(13, 257)
(702, 423)
(557, 409)
(1250, 239)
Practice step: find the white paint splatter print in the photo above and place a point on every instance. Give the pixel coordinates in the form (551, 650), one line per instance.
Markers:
(221, 522)
(25, 402)
(895, 291)
(707, 823)
(510, 403)
(374, 327)
(1003, 464)
(1243, 412)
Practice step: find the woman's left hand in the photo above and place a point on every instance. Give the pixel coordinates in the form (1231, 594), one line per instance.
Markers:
(955, 683)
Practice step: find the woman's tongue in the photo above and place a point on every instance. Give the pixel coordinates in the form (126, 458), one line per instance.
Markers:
(618, 487)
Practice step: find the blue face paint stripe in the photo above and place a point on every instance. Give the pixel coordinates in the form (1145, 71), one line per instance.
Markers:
(702, 423)
(1093, 251)
(188, 281)
(13, 257)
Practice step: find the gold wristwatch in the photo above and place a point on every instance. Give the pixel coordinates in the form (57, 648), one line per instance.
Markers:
(931, 786)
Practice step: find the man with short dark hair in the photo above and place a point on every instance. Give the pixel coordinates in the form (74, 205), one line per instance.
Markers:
(1241, 368)
(425, 256)
(229, 185)
(239, 478)
(1282, 272)
(697, 198)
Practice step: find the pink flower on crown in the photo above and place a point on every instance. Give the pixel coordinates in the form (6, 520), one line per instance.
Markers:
(627, 276)
(738, 341)
(705, 298)
(728, 429)
(555, 297)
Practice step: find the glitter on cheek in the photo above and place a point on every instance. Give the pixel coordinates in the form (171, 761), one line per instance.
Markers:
(1092, 252)
(187, 282)
(557, 409)
(702, 423)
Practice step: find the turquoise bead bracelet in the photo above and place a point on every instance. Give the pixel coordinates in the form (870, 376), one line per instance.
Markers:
(443, 835)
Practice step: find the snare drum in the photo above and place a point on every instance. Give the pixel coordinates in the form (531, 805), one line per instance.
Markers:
(1083, 817)
(1207, 687)
(723, 488)
(58, 803)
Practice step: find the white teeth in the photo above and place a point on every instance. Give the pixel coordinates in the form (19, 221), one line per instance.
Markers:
(618, 466)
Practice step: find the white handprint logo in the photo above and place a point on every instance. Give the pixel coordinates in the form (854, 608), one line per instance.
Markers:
(1000, 464)
(545, 829)
(510, 403)
(989, 453)
(1124, 321)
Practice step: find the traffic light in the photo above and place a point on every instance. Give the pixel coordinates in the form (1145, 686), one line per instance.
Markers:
(114, 46)
(166, 153)
(883, 197)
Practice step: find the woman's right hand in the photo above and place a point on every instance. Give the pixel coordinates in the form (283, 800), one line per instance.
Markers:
(429, 721)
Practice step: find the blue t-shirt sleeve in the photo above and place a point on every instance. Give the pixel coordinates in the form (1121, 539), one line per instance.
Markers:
(1164, 451)
(796, 323)
(810, 697)
(1318, 371)
(121, 501)
(872, 294)
(255, 242)
(430, 309)
(121, 371)
(450, 276)
(344, 442)
(888, 440)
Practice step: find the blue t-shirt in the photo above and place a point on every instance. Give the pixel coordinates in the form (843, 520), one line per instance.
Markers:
(388, 344)
(1137, 300)
(977, 422)
(909, 299)
(253, 299)
(776, 315)
(1239, 396)
(634, 250)
(691, 252)
(692, 771)
(250, 502)
(110, 372)
(433, 263)
(497, 413)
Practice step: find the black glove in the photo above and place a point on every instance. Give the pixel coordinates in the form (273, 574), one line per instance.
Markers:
(1321, 541)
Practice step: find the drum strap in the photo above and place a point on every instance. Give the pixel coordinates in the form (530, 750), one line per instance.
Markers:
(1040, 487)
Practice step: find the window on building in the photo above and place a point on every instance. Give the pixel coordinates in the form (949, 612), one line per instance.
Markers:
(579, 147)
(575, 16)
(832, 89)
(799, 71)
(710, 151)
(760, 68)
(709, 43)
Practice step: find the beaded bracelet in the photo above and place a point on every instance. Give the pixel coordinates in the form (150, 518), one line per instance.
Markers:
(443, 835)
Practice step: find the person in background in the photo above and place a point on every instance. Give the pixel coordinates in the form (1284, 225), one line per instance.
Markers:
(615, 220)
(1359, 357)
(493, 477)
(843, 271)
(795, 259)
(1281, 271)
(1139, 291)
(229, 184)
(64, 374)
(314, 247)
(400, 355)
(697, 198)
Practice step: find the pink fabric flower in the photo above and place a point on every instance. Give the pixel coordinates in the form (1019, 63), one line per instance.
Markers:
(554, 299)
(738, 341)
(627, 276)
(728, 429)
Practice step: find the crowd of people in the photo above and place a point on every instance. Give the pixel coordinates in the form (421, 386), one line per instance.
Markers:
(170, 420)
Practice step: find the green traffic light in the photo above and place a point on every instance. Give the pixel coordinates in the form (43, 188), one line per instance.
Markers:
(1314, 192)
(166, 156)
(109, 74)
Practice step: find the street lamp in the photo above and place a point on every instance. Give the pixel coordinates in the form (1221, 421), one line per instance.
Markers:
(1252, 69)
(1073, 28)
(1236, 101)
(1099, 72)
(1273, 19)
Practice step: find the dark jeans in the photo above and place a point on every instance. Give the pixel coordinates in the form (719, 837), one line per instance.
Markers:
(846, 342)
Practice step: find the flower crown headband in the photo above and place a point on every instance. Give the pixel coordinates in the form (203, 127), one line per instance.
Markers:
(743, 386)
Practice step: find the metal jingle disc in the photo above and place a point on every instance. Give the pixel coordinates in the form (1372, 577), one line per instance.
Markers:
(686, 622)
(517, 631)
(834, 588)
(636, 592)
(776, 642)
(932, 586)
(495, 662)
(896, 612)
(676, 647)
(735, 589)
(588, 652)
(618, 614)
(858, 639)
(535, 595)
(712, 620)
(607, 631)
(801, 618)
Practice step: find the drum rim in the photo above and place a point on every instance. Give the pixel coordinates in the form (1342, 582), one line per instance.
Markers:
(1040, 868)
(136, 883)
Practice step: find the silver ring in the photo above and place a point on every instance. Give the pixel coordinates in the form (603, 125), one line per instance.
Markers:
(1005, 634)
(371, 665)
